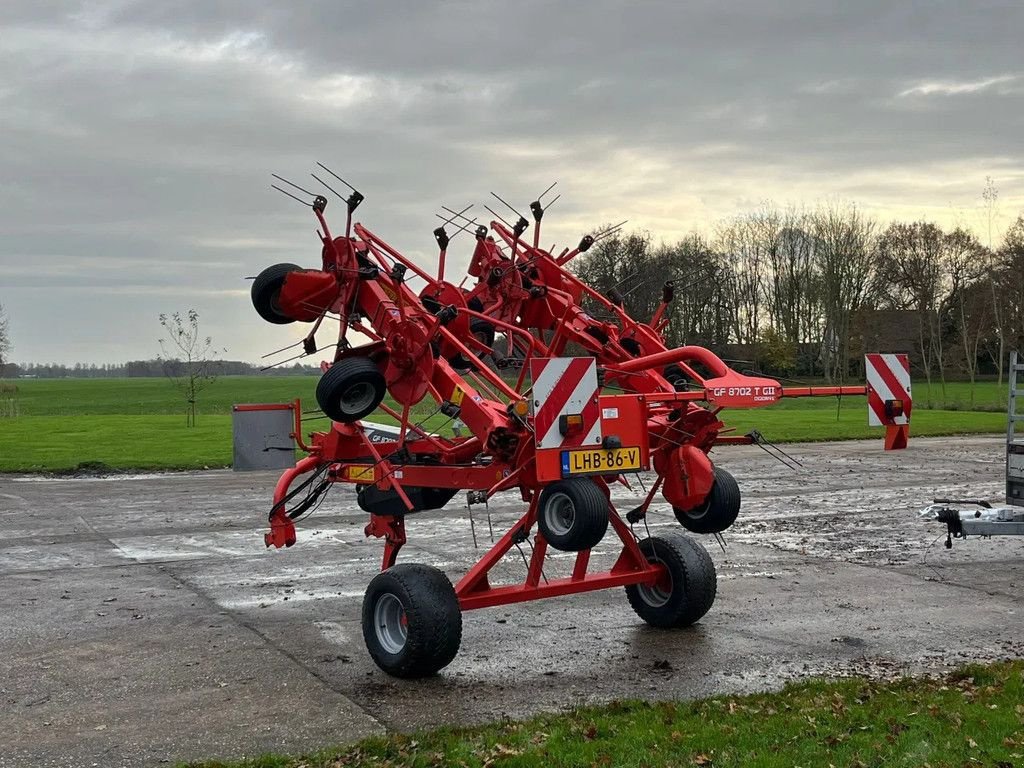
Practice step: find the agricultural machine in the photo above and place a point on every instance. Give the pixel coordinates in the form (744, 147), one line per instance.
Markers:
(559, 403)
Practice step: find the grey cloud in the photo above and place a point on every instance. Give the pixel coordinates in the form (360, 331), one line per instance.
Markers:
(138, 137)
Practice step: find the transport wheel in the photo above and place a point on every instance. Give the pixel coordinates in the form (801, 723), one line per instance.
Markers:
(719, 509)
(675, 376)
(412, 623)
(686, 591)
(632, 346)
(483, 331)
(350, 389)
(572, 514)
(265, 290)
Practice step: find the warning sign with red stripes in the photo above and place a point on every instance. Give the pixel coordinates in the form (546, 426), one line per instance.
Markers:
(889, 400)
(565, 387)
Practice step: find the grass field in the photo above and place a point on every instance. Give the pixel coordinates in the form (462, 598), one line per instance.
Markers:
(974, 717)
(140, 423)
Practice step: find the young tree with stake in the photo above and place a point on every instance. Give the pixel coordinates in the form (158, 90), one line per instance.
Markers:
(188, 359)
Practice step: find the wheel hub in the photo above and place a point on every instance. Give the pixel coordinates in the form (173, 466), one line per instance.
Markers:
(560, 513)
(357, 397)
(390, 624)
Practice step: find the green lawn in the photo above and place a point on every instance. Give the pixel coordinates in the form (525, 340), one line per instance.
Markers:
(974, 717)
(140, 423)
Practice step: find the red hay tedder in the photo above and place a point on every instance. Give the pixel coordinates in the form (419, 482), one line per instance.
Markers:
(558, 429)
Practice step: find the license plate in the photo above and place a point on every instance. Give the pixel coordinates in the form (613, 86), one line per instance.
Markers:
(599, 461)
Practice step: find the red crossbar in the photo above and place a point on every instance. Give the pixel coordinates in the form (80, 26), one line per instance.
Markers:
(631, 567)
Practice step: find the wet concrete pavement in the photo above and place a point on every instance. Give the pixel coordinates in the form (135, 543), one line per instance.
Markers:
(143, 622)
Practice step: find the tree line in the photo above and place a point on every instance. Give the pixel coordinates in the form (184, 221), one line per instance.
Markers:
(157, 367)
(795, 290)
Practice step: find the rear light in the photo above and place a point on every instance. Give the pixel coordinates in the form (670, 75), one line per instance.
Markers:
(893, 408)
(571, 424)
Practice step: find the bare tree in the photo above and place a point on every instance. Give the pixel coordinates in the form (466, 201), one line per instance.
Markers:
(188, 359)
(844, 252)
(5, 338)
(702, 310)
(912, 275)
(745, 242)
(620, 265)
(791, 291)
(969, 303)
(990, 199)
(1010, 279)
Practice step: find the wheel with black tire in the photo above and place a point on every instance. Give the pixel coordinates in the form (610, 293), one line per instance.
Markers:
(632, 346)
(675, 376)
(412, 623)
(265, 291)
(686, 590)
(350, 389)
(483, 330)
(572, 514)
(718, 511)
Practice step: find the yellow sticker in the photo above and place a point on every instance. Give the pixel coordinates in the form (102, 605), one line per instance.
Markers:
(359, 472)
(457, 396)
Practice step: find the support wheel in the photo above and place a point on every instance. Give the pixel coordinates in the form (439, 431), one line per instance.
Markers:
(350, 389)
(719, 509)
(412, 623)
(572, 514)
(687, 589)
(265, 290)
(483, 331)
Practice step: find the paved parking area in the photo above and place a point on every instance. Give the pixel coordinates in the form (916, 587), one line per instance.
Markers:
(144, 622)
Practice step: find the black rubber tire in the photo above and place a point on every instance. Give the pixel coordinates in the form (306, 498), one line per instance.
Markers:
(675, 376)
(693, 583)
(483, 330)
(719, 510)
(341, 379)
(632, 346)
(583, 524)
(265, 290)
(432, 620)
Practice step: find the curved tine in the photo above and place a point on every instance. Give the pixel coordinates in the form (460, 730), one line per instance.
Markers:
(458, 213)
(293, 184)
(336, 192)
(337, 177)
(503, 202)
(289, 194)
(498, 216)
(455, 215)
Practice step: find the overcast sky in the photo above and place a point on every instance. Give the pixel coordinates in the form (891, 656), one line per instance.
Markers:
(137, 138)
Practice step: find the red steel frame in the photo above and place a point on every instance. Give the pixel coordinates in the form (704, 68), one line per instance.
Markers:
(361, 282)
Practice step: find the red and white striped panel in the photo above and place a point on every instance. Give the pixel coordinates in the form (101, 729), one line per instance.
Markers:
(564, 386)
(888, 379)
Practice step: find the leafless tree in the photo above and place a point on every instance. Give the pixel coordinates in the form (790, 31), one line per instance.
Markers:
(844, 253)
(188, 358)
(5, 338)
(1010, 279)
(702, 311)
(791, 291)
(969, 305)
(745, 243)
(912, 275)
(990, 199)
